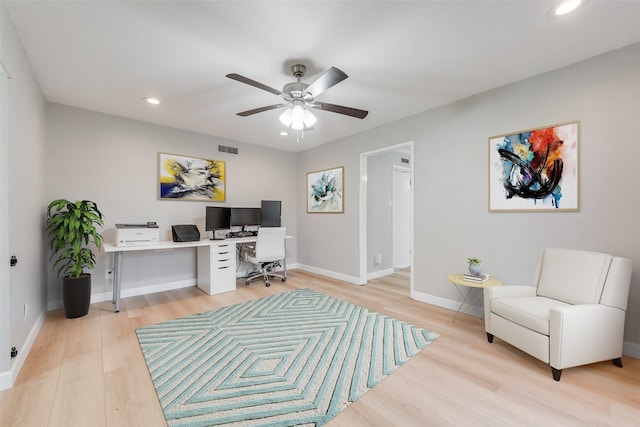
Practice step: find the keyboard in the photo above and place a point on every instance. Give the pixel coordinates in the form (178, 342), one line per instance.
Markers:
(242, 234)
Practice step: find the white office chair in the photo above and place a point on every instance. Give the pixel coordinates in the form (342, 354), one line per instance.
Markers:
(269, 253)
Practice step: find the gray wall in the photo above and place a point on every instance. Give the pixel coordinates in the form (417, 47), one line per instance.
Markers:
(114, 162)
(452, 221)
(23, 200)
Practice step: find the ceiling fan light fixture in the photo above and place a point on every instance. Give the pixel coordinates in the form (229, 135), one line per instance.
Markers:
(309, 119)
(297, 115)
(297, 125)
(285, 118)
(299, 97)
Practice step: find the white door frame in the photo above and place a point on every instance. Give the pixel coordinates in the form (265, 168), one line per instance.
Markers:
(363, 205)
(6, 377)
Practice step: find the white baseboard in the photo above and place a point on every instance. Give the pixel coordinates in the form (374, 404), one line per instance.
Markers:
(144, 290)
(380, 273)
(631, 349)
(125, 293)
(445, 303)
(8, 378)
(628, 348)
(331, 274)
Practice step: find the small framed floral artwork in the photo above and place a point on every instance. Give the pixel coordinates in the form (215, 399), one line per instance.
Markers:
(325, 192)
(535, 170)
(191, 178)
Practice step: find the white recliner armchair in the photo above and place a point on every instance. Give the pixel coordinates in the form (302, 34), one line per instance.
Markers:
(572, 315)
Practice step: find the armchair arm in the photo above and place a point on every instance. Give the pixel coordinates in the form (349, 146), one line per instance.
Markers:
(509, 291)
(585, 333)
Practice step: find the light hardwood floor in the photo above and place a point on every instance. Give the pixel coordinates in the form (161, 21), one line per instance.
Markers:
(90, 371)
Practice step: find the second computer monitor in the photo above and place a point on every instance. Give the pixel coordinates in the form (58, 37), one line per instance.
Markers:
(270, 213)
(245, 216)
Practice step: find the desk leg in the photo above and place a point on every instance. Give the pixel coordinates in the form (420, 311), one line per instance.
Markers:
(284, 261)
(117, 264)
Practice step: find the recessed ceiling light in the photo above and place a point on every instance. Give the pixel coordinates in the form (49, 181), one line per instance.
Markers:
(566, 6)
(150, 100)
(283, 133)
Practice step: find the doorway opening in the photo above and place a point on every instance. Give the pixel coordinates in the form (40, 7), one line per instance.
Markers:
(386, 213)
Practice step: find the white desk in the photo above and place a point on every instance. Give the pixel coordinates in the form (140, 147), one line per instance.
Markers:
(216, 263)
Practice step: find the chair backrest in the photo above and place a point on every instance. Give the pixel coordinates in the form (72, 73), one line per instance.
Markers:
(270, 244)
(583, 277)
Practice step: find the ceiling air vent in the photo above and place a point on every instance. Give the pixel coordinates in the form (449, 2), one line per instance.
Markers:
(225, 149)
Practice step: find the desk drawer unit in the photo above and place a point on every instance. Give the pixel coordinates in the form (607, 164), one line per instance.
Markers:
(217, 268)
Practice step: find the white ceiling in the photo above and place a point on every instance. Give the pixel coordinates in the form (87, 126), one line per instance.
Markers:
(402, 57)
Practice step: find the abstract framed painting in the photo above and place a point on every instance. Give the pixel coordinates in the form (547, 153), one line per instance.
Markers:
(535, 170)
(191, 178)
(325, 192)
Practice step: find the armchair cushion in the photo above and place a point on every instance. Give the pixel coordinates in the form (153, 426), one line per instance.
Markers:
(575, 277)
(530, 312)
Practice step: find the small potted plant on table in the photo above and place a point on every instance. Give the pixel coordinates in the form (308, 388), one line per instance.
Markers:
(475, 266)
(72, 226)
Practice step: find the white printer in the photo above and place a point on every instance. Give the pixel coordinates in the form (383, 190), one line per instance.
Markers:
(137, 234)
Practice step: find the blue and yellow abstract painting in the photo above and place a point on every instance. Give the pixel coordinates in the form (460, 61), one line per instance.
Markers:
(535, 169)
(191, 178)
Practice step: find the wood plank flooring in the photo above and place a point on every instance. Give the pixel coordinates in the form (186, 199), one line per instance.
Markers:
(90, 371)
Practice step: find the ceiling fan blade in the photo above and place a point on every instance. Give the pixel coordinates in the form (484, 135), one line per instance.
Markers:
(341, 109)
(246, 80)
(329, 78)
(261, 109)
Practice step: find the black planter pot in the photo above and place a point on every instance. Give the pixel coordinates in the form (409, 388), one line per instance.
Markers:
(76, 295)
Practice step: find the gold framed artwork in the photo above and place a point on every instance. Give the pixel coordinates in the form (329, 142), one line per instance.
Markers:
(535, 170)
(325, 192)
(191, 178)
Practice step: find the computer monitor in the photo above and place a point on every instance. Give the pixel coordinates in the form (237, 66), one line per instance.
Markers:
(217, 218)
(245, 216)
(270, 213)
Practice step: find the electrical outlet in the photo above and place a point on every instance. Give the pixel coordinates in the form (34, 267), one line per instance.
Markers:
(108, 274)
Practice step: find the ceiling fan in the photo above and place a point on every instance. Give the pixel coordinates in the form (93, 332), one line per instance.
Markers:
(297, 94)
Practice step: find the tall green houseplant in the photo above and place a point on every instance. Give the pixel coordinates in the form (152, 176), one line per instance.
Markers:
(72, 227)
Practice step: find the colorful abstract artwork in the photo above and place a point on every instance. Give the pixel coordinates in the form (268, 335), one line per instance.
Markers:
(191, 178)
(535, 170)
(324, 191)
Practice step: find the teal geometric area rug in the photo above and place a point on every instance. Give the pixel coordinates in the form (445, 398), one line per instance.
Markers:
(297, 358)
